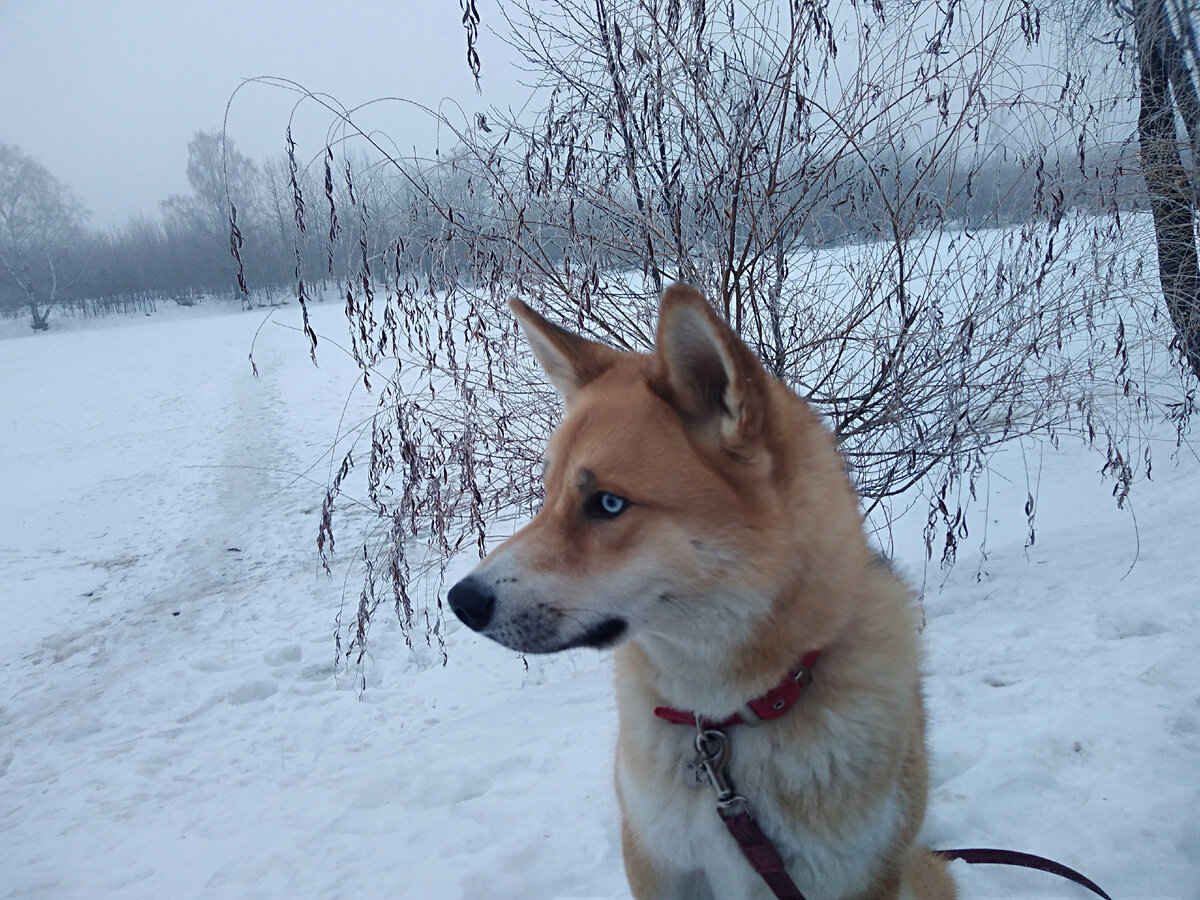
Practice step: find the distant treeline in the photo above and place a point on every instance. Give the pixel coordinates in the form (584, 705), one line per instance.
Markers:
(325, 220)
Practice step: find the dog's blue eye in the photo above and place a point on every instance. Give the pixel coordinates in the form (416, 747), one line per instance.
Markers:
(603, 505)
(612, 504)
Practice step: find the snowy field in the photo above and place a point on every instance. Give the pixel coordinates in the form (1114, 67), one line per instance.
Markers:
(172, 723)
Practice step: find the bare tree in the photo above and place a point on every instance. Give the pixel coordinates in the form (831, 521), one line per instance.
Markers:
(41, 226)
(216, 171)
(889, 206)
(1144, 55)
(1167, 89)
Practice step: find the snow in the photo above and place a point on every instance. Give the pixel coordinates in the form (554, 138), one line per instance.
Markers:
(173, 724)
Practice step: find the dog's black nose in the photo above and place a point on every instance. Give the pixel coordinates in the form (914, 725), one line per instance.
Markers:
(472, 603)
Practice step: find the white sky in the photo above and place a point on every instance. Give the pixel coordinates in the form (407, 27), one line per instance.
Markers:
(108, 94)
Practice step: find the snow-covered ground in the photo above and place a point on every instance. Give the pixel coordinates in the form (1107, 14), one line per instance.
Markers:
(172, 723)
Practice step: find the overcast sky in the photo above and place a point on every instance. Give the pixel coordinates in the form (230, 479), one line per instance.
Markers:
(108, 94)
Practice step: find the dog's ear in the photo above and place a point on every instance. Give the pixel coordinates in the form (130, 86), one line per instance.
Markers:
(569, 360)
(702, 368)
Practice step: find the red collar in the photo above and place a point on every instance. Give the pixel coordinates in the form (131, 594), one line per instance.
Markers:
(772, 705)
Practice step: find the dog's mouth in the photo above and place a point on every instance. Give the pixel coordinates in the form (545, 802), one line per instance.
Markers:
(530, 633)
(537, 629)
(601, 636)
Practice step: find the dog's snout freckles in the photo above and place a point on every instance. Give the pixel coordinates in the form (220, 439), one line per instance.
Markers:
(474, 603)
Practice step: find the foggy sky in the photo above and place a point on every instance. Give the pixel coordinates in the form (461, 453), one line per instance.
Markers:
(107, 95)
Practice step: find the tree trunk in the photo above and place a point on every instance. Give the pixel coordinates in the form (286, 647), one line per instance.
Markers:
(1167, 182)
(40, 320)
(1183, 85)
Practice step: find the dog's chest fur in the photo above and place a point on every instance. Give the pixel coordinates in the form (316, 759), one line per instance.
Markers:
(789, 771)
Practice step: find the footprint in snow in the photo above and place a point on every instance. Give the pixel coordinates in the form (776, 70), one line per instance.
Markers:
(316, 672)
(253, 692)
(1123, 629)
(283, 656)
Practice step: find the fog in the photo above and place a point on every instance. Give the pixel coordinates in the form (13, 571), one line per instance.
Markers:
(108, 95)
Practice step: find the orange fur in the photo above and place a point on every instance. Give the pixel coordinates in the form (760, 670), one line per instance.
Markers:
(739, 547)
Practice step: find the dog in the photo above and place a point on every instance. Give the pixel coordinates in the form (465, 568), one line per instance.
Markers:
(699, 519)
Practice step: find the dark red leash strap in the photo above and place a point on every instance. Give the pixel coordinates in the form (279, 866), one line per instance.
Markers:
(761, 853)
(986, 856)
(712, 745)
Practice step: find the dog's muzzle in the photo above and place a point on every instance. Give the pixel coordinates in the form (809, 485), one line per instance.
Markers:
(529, 627)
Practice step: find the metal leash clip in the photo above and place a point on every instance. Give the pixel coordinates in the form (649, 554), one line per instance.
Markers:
(712, 745)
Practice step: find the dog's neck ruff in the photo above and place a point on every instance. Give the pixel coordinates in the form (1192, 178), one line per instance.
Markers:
(774, 704)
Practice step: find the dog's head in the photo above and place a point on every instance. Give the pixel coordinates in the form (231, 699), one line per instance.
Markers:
(664, 512)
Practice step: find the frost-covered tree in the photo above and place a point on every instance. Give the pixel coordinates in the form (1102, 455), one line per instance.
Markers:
(198, 224)
(41, 230)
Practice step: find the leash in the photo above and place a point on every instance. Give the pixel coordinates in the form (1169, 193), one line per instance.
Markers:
(990, 857)
(713, 749)
(713, 746)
